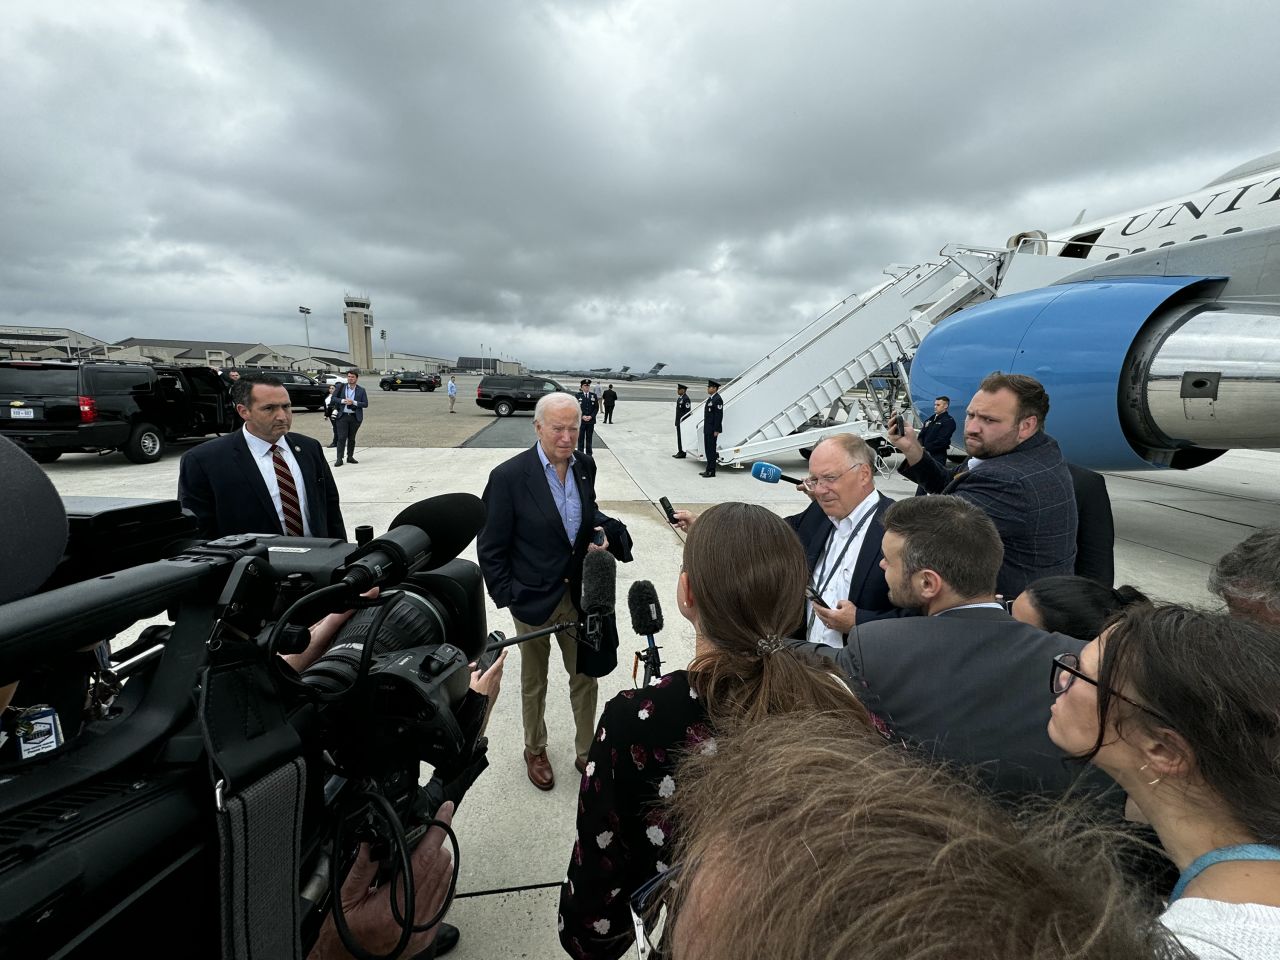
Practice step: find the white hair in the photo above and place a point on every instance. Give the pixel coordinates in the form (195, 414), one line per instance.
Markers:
(550, 400)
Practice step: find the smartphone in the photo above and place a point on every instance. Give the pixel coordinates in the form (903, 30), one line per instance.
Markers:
(895, 425)
(671, 511)
(598, 539)
(814, 597)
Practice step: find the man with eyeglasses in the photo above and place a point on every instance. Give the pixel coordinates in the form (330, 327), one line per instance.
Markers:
(841, 531)
(965, 682)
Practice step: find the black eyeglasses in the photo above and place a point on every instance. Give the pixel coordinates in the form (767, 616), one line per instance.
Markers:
(1066, 670)
(650, 915)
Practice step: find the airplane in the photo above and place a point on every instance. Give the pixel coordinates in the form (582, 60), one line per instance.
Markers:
(607, 375)
(1155, 331)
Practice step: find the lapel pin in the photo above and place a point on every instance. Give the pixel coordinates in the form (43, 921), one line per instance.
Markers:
(297, 449)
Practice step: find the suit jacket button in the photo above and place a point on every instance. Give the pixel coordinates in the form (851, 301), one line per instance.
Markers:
(566, 579)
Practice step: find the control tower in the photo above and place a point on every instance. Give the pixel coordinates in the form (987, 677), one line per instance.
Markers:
(358, 316)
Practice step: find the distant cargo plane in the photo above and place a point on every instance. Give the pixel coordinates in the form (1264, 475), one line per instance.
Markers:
(606, 374)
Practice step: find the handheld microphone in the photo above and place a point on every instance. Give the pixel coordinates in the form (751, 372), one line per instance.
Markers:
(770, 474)
(599, 593)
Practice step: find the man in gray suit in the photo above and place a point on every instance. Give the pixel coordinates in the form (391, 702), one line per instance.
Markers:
(966, 682)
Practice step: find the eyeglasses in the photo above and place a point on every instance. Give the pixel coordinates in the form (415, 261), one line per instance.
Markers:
(813, 483)
(650, 916)
(1066, 671)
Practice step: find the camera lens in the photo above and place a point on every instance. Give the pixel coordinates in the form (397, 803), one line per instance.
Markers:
(414, 621)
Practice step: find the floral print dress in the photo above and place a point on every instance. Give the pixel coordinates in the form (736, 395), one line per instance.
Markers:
(623, 837)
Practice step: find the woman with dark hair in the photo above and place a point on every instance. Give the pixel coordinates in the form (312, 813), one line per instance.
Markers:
(742, 588)
(1076, 606)
(1182, 709)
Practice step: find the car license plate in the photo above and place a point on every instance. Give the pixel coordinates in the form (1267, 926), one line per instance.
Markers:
(20, 413)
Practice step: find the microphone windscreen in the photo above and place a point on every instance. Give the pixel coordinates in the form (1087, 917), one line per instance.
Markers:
(451, 520)
(766, 472)
(599, 582)
(646, 612)
(33, 524)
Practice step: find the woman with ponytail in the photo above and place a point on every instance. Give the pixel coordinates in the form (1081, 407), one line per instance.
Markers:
(742, 588)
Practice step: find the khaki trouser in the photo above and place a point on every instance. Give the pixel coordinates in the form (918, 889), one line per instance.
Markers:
(452, 400)
(534, 657)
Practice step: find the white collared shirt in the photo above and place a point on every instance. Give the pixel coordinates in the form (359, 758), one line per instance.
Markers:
(260, 450)
(837, 588)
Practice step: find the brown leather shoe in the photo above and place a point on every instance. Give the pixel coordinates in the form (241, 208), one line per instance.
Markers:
(540, 772)
(580, 764)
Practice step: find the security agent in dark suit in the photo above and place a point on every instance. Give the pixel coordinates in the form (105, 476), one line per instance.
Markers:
(542, 517)
(712, 425)
(683, 406)
(352, 400)
(966, 683)
(262, 479)
(588, 404)
(1015, 474)
(937, 431)
(841, 531)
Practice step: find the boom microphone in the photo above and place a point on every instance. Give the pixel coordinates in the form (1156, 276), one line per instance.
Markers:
(646, 612)
(33, 526)
(646, 620)
(771, 474)
(599, 592)
(451, 520)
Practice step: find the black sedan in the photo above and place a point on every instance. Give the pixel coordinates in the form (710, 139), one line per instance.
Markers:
(304, 393)
(410, 380)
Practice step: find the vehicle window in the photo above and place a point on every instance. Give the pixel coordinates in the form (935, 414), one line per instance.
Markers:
(170, 384)
(120, 381)
(39, 381)
(549, 387)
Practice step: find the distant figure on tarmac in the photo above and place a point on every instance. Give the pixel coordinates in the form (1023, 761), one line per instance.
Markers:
(683, 406)
(352, 400)
(453, 393)
(712, 424)
(610, 397)
(589, 404)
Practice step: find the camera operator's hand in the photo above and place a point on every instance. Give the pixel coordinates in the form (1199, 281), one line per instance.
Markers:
(684, 519)
(368, 910)
(490, 682)
(322, 634)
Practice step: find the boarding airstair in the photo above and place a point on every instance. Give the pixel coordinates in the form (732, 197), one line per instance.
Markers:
(844, 371)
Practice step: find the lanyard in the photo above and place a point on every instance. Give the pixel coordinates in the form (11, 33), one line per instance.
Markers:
(822, 585)
(1243, 851)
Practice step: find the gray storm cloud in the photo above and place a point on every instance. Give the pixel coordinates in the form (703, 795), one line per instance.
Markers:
(577, 183)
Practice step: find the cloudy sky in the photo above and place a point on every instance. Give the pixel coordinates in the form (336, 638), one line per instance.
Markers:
(579, 183)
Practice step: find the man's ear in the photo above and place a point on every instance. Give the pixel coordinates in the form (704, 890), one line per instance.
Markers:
(929, 584)
(1028, 427)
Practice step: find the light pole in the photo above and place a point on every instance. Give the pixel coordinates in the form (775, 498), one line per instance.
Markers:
(386, 352)
(306, 326)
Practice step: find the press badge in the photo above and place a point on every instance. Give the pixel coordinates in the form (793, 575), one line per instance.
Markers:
(38, 731)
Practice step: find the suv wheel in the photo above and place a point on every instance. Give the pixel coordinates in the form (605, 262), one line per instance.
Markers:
(423, 388)
(503, 408)
(430, 387)
(145, 445)
(45, 456)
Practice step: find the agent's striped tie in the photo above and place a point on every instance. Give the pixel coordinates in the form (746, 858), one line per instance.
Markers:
(288, 494)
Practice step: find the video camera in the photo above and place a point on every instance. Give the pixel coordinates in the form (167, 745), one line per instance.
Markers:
(113, 840)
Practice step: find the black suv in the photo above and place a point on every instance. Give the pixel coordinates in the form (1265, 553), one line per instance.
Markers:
(504, 394)
(51, 407)
(410, 380)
